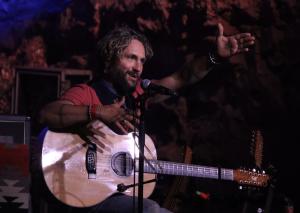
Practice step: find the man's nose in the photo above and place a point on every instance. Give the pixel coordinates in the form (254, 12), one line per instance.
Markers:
(138, 67)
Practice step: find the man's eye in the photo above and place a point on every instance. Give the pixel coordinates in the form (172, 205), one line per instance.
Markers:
(128, 57)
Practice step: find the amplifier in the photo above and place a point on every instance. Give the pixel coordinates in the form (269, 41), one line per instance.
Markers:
(14, 163)
(14, 129)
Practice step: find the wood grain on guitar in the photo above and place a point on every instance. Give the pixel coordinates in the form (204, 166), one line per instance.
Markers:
(65, 173)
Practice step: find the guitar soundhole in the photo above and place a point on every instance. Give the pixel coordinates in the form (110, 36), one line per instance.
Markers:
(122, 163)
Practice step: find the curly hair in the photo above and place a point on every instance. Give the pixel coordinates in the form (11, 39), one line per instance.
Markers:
(112, 45)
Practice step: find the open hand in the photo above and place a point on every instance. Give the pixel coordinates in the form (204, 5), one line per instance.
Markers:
(228, 46)
(117, 117)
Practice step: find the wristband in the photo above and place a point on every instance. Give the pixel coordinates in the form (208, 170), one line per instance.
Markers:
(213, 58)
(92, 111)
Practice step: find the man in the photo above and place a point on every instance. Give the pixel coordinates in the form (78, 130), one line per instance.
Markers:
(108, 97)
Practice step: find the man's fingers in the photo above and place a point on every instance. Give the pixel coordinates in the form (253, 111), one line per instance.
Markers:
(241, 42)
(97, 132)
(120, 127)
(128, 126)
(96, 141)
(125, 126)
(243, 35)
(244, 46)
(128, 117)
(248, 42)
(220, 29)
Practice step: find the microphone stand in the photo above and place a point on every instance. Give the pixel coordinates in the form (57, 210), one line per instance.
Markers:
(141, 153)
(143, 97)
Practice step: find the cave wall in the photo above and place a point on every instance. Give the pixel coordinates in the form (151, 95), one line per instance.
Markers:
(255, 91)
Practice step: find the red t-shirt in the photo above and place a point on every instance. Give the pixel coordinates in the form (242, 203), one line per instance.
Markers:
(81, 94)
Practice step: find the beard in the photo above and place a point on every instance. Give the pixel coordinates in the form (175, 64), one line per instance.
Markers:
(120, 82)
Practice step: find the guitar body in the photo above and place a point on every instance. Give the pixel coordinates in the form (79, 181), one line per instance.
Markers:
(65, 173)
(84, 172)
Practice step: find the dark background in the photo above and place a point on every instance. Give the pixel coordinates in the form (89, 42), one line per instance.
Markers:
(217, 116)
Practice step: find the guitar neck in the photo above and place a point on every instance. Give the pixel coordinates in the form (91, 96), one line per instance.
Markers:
(171, 168)
(66, 173)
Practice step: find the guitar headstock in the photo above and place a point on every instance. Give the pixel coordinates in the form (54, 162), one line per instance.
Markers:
(251, 178)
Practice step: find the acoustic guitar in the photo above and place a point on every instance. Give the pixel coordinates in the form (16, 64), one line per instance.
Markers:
(82, 172)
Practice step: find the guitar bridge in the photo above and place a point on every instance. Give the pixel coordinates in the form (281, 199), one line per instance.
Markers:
(91, 160)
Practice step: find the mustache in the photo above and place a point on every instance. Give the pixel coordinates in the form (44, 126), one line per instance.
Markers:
(133, 74)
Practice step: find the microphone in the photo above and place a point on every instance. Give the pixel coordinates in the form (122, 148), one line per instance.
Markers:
(147, 85)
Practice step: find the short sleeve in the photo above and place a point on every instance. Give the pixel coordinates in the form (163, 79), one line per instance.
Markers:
(81, 94)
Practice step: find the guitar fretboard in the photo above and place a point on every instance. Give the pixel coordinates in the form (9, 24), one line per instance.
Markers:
(171, 168)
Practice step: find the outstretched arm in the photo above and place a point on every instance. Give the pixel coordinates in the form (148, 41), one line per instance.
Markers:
(197, 67)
